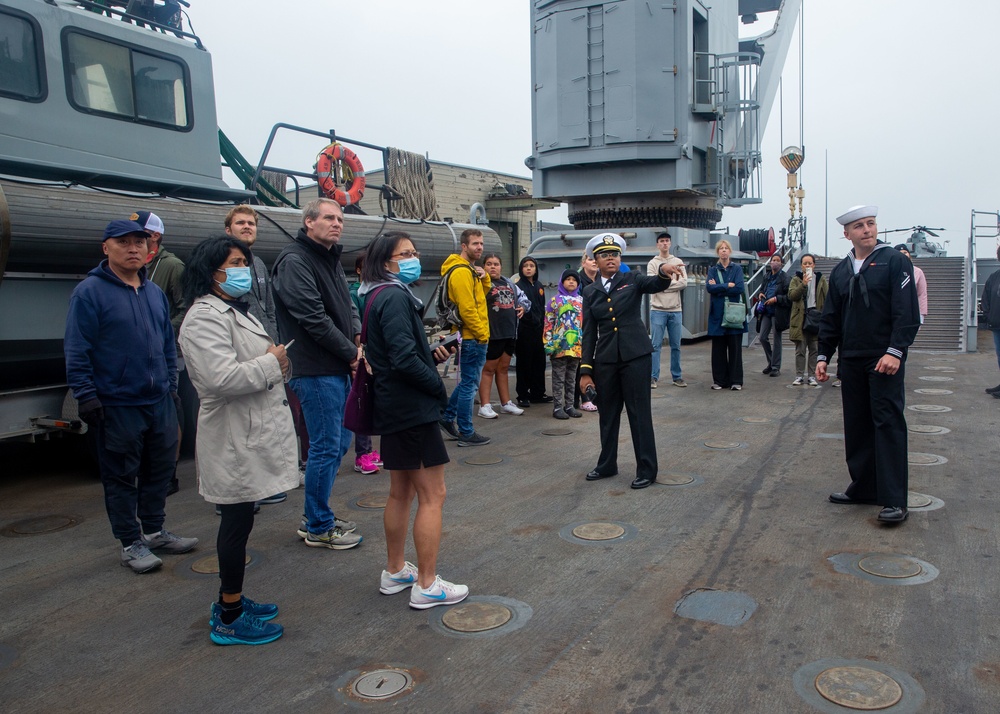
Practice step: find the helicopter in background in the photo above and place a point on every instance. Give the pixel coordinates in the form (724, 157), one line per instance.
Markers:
(918, 244)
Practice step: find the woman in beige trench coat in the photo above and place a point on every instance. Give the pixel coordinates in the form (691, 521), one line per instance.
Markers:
(246, 446)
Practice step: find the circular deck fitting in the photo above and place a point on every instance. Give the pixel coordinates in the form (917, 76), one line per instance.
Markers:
(918, 500)
(783, 401)
(936, 379)
(928, 429)
(209, 565)
(479, 617)
(934, 392)
(675, 479)
(829, 436)
(598, 534)
(858, 688)
(896, 569)
(556, 432)
(724, 445)
(755, 420)
(372, 500)
(916, 458)
(476, 616)
(599, 531)
(929, 408)
(835, 685)
(483, 460)
(382, 683)
(41, 525)
(941, 359)
(718, 606)
(890, 566)
(936, 368)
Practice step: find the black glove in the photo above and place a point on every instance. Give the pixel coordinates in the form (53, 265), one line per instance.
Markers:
(177, 401)
(91, 411)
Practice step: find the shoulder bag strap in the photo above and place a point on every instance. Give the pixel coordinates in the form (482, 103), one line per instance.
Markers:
(368, 307)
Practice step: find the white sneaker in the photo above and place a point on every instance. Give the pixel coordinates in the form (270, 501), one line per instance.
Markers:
(393, 583)
(486, 412)
(441, 592)
(813, 382)
(798, 382)
(512, 408)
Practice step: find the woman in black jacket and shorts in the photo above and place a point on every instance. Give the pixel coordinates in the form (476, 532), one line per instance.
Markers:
(409, 396)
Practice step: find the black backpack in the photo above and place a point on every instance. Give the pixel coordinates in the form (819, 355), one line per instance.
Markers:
(447, 311)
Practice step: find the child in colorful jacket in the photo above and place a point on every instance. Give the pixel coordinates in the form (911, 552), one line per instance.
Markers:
(563, 325)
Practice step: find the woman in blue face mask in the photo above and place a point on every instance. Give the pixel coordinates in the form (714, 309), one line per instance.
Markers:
(246, 448)
(409, 397)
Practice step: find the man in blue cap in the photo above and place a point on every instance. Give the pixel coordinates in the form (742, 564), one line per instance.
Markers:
(122, 366)
(616, 355)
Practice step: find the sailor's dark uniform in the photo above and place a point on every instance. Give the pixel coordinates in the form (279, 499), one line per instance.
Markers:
(869, 314)
(616, 353)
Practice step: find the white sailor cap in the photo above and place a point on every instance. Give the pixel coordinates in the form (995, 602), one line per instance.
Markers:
(857, 212)
(603, 242)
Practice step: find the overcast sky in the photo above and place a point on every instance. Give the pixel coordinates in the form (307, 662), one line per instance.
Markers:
(902, 94)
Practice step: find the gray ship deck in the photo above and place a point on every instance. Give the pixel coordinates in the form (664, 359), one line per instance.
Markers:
(595, 627)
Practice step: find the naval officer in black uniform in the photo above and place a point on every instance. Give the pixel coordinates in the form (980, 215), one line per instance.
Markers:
(871, 314)
(616, 355)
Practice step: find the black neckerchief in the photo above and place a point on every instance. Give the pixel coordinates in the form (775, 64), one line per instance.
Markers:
(857, 279)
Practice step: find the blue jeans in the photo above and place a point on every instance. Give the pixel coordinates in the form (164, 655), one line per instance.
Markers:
(661, 321)
(473, 359)
(323, 400)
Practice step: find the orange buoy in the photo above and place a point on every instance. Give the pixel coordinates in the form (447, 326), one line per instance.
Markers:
(354, 186)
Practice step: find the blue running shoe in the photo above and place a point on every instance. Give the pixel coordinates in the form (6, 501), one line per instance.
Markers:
(261, 610)
(246, 630)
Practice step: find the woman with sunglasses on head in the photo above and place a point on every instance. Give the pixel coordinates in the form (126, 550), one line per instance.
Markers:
(408, 398)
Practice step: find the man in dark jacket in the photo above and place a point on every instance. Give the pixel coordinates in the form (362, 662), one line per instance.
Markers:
(121, 363)
(314, 310)
(871, 316)
(776, 312)
(616, 355)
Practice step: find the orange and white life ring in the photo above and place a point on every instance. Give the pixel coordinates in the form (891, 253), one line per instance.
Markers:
(354, 176)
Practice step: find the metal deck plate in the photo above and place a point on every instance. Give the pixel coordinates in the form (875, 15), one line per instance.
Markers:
(599, 531)
(858, 688)
(209, 565)
(476, 616)
(916, 458)
(381, 683)
(929, 408)
(890, 566)
(918, 500)
(718, 606)
(41, 525)
(674, 479)
(937, 368)
(755, 420)
(719, 444)
(484, 460)
(556, 432)
(372, 501)
(937, 379)
(933, 391)
(928, 429)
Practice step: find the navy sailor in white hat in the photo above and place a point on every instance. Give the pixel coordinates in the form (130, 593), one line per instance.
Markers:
(871, 315)
(616, 355)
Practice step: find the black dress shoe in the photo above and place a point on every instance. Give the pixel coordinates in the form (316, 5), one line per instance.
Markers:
(525, 403)
(993, 390)
(595, 475)
(844, 499)
(766, 370)
(892, 514)
(544, 399)
(642, 482)
(775, 372)
(174, 487)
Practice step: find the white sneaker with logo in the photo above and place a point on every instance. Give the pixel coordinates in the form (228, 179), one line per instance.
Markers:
(393, 583)
(486, 412)
(441, 592)
(511, 408)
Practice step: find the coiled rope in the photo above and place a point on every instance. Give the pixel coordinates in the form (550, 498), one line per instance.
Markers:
(410, 175)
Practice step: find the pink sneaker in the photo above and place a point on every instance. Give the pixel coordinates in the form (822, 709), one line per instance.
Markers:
(588, 407)
(365, 464)
(377, 459)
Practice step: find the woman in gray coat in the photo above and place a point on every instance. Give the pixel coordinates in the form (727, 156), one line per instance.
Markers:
(246, 447)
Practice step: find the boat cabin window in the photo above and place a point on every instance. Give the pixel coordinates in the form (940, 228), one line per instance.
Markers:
(20, 58)
(115, 79)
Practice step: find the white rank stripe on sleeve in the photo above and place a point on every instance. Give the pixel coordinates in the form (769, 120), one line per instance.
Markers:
(906, 280)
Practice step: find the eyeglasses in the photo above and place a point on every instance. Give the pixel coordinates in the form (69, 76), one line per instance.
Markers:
(610, 254)
(407, 254)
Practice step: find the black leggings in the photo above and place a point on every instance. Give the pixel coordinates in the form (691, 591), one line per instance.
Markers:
(231, 544)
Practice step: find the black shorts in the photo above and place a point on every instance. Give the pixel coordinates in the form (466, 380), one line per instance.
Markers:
(495, 348)
(413, 448)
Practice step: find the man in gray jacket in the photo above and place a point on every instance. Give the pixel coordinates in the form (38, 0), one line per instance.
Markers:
(319, 326)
